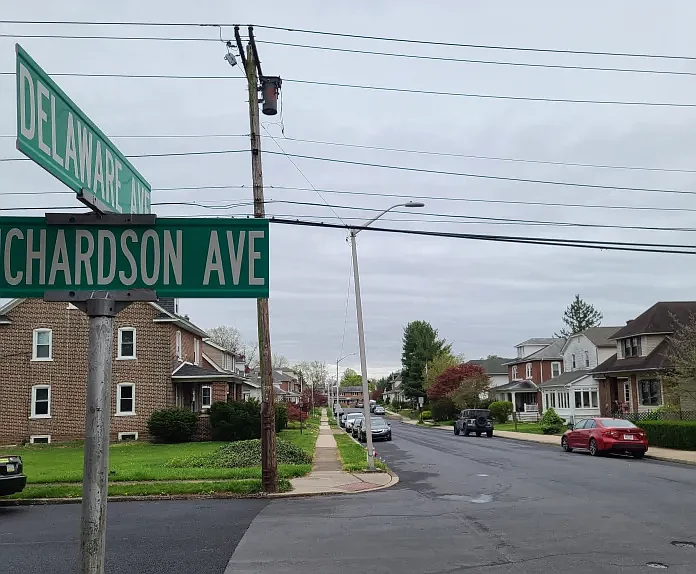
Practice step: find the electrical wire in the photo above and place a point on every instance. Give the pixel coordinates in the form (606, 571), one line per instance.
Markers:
(142, 155)
(388, 89)
(601, 245)
(353, 36)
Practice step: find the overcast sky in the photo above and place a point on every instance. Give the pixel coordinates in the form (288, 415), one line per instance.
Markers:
(483, 297)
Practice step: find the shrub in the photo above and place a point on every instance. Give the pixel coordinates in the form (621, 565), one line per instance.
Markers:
(243, 453)
(500, 411)
(550, 422)
(241, 420)
(443, 409)
(281, 417)
(425, 415)
(172, 425)
(670, 434)
(295, 414)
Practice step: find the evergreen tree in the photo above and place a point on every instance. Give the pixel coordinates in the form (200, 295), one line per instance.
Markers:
(420, 345)
(579, 316)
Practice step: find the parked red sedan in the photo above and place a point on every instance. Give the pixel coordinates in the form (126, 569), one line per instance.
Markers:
(600, 435)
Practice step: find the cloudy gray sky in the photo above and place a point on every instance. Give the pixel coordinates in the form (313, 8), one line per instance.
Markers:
(484, 297)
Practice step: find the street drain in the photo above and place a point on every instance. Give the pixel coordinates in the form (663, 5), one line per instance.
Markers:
(683, 544)
(658, 565)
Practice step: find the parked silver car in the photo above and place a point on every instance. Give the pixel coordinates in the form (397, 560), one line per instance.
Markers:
(355, 429)
(350, 420)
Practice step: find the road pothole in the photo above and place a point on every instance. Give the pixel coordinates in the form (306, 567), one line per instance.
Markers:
(683, 544)
(658, 565)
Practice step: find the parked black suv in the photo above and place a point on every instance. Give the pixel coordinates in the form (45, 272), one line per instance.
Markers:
(474, 420)
(11, 478)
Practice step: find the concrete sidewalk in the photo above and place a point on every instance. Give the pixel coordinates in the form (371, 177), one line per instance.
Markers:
(666, 454)
(327, 476)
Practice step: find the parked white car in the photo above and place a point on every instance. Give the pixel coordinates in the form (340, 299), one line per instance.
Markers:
(350, 419)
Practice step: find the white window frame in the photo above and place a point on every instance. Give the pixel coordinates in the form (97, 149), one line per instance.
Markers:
(178, 346)
(572, 359)
(558, 364)
(34, 344)
(627, 387)
(203, 405)
(33, 402)
(640, 393)
(514, 372)
(196, 351)
(587, 359)
(591, 394)
(134, 433)
(32, 438)
(121, 356)
(528, 370)
(119, 412)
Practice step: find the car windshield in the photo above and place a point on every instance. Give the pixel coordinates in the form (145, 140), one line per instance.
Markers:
(353, 416)
(378, 423)
(617, 423)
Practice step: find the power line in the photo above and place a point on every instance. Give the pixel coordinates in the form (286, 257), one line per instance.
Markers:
(354, 36)
(492, 177)
(387, 89)
(397, 196)
(358, 51)
(601, 245)
(142, 155)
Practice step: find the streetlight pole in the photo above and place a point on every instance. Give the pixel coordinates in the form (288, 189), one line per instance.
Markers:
(337, 363)
(361, 332)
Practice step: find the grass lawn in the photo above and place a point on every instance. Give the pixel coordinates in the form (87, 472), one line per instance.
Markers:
(353, 456)
(532, 428)
(141, 461)
(241, 487)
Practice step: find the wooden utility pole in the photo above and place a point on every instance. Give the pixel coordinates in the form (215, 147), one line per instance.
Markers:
(269, 466)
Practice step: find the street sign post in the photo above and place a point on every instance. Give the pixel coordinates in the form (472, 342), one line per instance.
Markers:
(57, 135)
(175, 257)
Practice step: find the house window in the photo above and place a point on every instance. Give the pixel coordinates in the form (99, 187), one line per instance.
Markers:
(650, 393)
(40, 439)
(555, 369)
(627, 392)
(572, 357)
(127, 436)
(178, 345)
(586, 399)
(514, 372)
(125, 399)
(196, 351)
(529, 370)
(207, 397)
(587, 359)
(126, 343)
(552, 396)
(43, 345)
(41, 402)
(631, 347)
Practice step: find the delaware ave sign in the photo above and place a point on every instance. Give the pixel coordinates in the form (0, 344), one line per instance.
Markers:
(175, 257)
(56, 134)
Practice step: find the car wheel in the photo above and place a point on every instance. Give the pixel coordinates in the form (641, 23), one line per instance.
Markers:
(565, 446)
(466, 432)
(489, 434)
(389, 438)
(639, 454)
(594, 451)
(478, 433)
(456, 430)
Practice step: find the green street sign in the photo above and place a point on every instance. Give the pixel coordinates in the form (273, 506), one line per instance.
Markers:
(56, 134)
(175, 257)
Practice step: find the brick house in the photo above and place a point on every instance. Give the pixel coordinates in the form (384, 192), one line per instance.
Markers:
(217, 358)
(350, 395)
(630, 379)
(537, 359)
(157, 364)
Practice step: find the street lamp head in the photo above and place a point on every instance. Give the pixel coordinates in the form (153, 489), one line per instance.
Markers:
(414, 204)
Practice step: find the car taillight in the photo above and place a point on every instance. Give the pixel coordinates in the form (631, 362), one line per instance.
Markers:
(610, 433)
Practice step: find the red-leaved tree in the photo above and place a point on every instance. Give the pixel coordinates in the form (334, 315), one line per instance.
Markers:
(451, 378)
(376, 395)
(312, 397)
(295, 414)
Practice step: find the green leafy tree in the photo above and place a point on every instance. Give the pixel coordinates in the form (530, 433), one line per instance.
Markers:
(578, 317)
(679, 380)
(550, 422)
(438, 365)
(420, 345)
(351, 378)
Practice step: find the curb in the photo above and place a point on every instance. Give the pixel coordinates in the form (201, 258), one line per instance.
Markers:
(152, 498)
(394, 480)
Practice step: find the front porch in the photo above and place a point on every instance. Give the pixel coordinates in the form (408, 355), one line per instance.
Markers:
(524, 396)
(630, 393)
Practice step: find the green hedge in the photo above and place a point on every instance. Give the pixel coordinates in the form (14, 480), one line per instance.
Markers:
(670, 434)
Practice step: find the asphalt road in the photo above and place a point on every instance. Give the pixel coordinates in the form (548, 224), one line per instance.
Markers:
(463, 505)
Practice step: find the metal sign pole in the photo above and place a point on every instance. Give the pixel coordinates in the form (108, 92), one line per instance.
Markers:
(95, 482)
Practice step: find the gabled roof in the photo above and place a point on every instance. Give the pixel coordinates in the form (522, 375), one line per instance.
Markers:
(601, 336)
(492, 365)
(548, 353)
(655, 361)
(537, 341)
(520, 385)
(565, 378)
(659, 319)
(350, 389)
